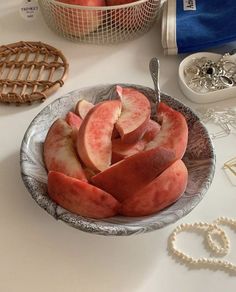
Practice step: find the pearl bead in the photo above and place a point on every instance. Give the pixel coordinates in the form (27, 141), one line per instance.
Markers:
(221, 248)
(203, 260)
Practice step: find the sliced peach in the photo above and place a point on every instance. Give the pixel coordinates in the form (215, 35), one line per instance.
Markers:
(126, 177)
(73, 120)
(152, 129)
(94, 138)
(121, 150)
(158, 194)
(174, 131)
(80, 197)
(135, 114)
(59, 151)
(83, 107)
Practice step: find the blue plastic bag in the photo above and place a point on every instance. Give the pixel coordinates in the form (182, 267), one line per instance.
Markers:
(195, 25)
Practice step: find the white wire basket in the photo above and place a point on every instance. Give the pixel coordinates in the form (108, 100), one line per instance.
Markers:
(103, 24)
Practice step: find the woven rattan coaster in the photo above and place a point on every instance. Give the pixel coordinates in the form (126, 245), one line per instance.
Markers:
(30, 71)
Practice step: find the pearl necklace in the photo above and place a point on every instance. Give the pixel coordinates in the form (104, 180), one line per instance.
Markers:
(209, 230)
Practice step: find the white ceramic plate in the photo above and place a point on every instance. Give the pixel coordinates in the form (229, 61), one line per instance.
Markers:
(199, 159)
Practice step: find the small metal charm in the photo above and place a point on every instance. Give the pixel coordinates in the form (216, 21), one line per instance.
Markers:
(226, 81)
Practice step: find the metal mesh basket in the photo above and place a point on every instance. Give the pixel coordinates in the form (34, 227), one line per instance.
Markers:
(100, 25)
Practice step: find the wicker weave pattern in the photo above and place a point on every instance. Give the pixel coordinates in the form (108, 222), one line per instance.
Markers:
(30, 71)
(100, 25)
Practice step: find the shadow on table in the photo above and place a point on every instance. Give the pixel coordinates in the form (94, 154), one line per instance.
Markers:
(85, 260)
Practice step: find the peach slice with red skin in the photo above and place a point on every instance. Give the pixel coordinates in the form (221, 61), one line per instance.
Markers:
(80, 197)
(94, 137)
(158, 194)
(59, 151)
(127, 176)
(73, 120)
(121, 150)
(152, 129)
(173, 133)
(83, 107)
(135, 115)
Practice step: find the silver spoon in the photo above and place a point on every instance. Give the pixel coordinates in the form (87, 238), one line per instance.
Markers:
(154, 67)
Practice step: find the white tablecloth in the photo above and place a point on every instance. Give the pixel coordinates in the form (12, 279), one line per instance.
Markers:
(37, 253)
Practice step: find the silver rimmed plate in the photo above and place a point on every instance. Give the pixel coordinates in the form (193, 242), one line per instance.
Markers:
(199, 159)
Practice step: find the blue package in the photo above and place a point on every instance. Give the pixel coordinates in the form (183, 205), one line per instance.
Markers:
(194, 25)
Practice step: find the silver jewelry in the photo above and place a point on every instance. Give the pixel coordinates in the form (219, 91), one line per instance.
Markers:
(204, 75)
(225, 118)
(231, 165)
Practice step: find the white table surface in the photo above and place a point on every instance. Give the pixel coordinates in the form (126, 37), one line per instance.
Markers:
(37, 253)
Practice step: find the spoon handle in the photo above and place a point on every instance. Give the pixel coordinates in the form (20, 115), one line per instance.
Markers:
(154, 67)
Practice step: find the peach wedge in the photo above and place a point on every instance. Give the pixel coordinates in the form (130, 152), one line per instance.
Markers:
(127, 176)
(59, 151)
(94, 138)
(135, 115)
(121, 150)
(83, 107)
(158, 194)
(73, 120)
(80, 197)
(173, 133)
